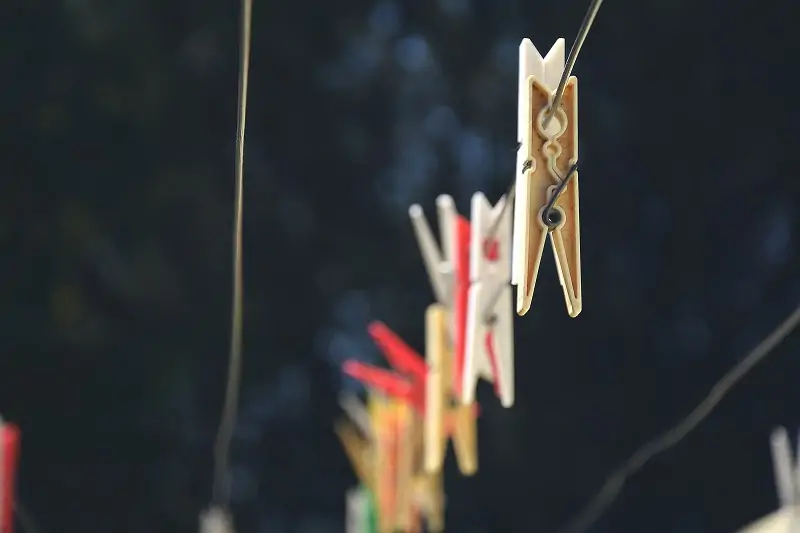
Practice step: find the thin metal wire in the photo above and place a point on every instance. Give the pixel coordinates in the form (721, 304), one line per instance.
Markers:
(221, 487)
(614, 484)
(583, 32)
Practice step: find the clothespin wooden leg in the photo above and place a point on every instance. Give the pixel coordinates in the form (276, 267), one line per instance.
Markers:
(405, 449)
(435, 396)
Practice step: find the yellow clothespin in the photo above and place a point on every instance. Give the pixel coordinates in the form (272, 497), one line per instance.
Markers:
(396, 467)
(445, 416)
(547, 180)
(389, 465)
(359, 449)
(429, 499)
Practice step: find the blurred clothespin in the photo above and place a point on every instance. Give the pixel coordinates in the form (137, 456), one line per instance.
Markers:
(361, 513)
(445, 416)
(428, 388)
(419, 494)
(215, 520)
(489, 335)
(787, 482)
(9, 455)
(547, 180)
(429, 499)
(396, 428)
(357, 436)
(449, 271)
(407, 382)
(439, 262)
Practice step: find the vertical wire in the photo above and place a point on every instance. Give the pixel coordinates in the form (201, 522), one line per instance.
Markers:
(221, 486)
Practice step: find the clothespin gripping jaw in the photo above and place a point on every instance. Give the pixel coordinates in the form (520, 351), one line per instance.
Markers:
(548, 155)
(438, 261)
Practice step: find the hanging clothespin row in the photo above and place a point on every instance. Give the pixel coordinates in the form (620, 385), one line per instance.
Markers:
(9, 455)
(428, 388)
(489, 332)
(547, 179)
(787, 482)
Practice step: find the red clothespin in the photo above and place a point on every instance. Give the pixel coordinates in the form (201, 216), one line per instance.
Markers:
(9, 454)
(407, 382)
(461, 243)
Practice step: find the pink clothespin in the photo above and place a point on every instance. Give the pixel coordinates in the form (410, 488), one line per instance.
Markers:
(9, 454)
(489, 332)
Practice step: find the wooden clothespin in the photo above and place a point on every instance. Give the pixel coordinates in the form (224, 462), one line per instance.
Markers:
(548, 154)
(787, 481)
(380, 462)
(9, 455)
(357, 436)
(489, 335)
(392, 462)
(384, 460)
(428, 388)
(445, 416)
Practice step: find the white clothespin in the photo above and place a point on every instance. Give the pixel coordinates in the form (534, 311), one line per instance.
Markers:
(545, 159)
(359, 511)
(438, 261)
(787, 482)
(490, 322)
(215, 520)
(357, 413)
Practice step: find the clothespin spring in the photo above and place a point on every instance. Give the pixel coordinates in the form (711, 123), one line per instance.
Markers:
(551, 217)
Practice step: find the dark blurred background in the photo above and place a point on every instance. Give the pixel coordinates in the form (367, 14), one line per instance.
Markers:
(118, 121)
